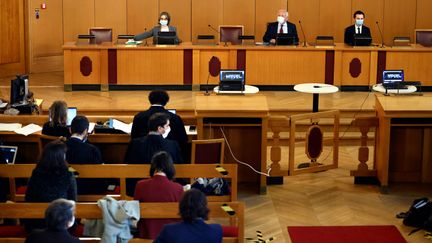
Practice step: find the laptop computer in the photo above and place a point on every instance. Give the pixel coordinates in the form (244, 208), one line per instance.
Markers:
(8, 154)
(166, 38)
(362, 40)
(71, 114)
(285, 40)
(393, 79)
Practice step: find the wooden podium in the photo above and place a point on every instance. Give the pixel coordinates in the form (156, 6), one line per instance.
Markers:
(243, 119)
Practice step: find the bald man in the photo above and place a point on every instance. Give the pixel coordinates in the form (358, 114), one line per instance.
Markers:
(281, 26)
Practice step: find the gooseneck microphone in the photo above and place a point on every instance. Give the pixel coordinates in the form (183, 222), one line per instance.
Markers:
(221, 34)
(304, 36)
(381, 34)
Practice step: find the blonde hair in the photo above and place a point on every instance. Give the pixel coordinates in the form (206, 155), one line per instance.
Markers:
(58, 113)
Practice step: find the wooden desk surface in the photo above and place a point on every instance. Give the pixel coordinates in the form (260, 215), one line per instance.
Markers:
(405, 106)
(252, 105)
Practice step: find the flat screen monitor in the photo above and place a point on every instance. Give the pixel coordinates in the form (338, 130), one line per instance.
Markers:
(392, 77)
(19, 89)
(71, 114)
(285, 40)
(362, 40)
(231, 80)
(8, 154)
(166, 38)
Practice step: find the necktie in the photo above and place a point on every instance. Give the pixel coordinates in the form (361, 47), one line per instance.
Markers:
(358, 30)
(281, 29)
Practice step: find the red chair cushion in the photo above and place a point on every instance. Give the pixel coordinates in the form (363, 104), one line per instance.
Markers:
(21, 190)
(15, 231)
(229, 231)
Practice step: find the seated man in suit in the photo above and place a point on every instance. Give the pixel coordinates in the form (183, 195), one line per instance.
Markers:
(158, 99)
(356, 29)
(282, 26)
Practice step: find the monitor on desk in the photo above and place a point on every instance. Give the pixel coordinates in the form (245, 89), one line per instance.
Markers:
(392, 78)
(362, 40)
(286, 39)
(231, 80)
(166, 38)
(19, 90)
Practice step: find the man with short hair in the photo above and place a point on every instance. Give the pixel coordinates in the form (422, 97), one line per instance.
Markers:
(356, 29)
(281, 26)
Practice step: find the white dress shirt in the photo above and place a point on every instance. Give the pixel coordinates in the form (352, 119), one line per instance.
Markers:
(284, 28)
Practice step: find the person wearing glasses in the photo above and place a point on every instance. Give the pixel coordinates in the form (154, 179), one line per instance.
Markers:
(164, 21)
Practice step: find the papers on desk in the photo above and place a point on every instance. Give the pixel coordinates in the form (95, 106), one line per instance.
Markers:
(29, 129)
(91, 127)
(9, 127)
(3, 105)
(119, 125)
(133, 43)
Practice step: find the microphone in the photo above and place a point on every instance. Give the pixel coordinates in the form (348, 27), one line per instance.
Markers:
(304, 36)
(381, 34)
(221, 34)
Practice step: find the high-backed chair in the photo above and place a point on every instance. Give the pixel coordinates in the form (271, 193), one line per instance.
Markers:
(45, 139)
(101, 35)
(208, 151)
(231, 33)
(423, 37)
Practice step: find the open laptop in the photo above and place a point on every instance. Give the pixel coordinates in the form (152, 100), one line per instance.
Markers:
(8, 154)
(393, 79)
(71, 114)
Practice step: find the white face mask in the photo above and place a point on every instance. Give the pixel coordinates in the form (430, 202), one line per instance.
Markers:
(167, 131)
(163, 22)
(280, 19)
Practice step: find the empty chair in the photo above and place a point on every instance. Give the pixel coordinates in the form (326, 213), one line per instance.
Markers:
(208, 151)
(231, 33)
(423, 37)
(101, 35)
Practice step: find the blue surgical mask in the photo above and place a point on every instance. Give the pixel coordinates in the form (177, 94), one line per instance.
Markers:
(359, 22)
(163, 22)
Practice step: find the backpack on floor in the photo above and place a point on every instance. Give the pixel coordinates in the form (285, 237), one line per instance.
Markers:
(419, 215)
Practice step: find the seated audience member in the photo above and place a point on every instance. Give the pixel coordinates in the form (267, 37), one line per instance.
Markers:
(50, 179)
(281, 26)
(81, 152)
(56, 126)
(159, 188)
(59, 216)
(356, 29)
(158, 99)
(140, 150)
(193, 211)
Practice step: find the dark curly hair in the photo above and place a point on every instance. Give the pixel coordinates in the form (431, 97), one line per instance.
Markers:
(159, 97)
(193, 205)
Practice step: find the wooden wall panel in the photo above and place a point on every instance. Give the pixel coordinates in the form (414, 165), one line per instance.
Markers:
(74, 26)
(205, 12)
(10, 40)
(266, 12)
(180, 11)
(374, 11)
(423, 17)
(335, 16)
(240, 12)
(399, 19)
(306, 11)
(141, 15)
(111, 14)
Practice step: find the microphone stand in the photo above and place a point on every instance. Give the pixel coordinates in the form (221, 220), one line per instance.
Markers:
(382, 38)
(206, 89)
(223, 37)
(304, 36)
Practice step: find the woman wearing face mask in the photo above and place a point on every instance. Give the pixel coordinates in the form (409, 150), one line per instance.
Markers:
(164, 21)
(281, 26)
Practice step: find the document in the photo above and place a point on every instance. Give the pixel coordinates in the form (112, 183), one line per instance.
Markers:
(91, 127)
(119, 125)
(29, 129)
(9, 127)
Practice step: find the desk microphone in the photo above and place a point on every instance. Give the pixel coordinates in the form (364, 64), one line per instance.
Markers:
(221, 34)
(382, 38)
(304, 36)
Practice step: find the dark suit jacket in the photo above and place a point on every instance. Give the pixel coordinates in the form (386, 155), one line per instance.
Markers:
(50, 236)
(350, 33)
(195, 232)
(156, 189)
(272, 31)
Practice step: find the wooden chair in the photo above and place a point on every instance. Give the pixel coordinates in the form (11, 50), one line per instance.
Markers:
(423, 37)
(101, 34)
(208, 151)
(231, 33)
(45, 139)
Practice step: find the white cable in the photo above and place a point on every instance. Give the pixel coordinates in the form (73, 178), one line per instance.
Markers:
(240, 162)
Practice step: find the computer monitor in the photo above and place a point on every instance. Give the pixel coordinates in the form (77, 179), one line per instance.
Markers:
(8, 154)
(231, 80)
(19, 90)
(392, 78)
(71, 114)
(362, 40)
(286, 39)
(166, 38)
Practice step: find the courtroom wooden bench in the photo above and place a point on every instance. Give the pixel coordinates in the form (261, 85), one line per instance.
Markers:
(147, 210)
(126, 171)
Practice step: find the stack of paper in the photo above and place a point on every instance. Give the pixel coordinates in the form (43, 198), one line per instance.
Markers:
(119, 125)
(9, 127)
(29, 129)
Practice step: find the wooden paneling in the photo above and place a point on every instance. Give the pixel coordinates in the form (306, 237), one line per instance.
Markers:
(399, 19)
(204, 13)
(423, 17)
(146, 66)
(77, 76)
(293, 67)
(415, 64)
(204, 59)
(266, 12)
(374, 11)
(335, 16)
(141, 15)
(74, 26)
(180, 11)
(347, 59)
(240, 12)
(307, 12)
(111, 14)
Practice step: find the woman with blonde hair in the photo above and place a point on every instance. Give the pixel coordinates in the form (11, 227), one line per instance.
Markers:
(56, 126)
